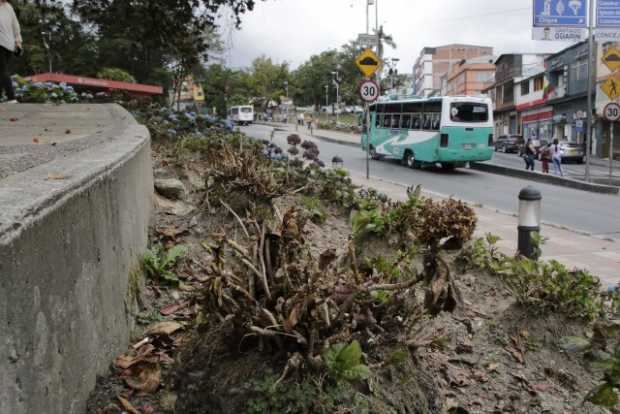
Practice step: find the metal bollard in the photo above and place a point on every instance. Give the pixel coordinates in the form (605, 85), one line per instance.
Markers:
(530, 206)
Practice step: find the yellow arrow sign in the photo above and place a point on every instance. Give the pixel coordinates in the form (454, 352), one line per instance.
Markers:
(368, 62)
(611, 87)
(611, 59)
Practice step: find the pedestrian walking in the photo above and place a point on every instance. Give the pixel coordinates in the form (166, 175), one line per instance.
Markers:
(300, 119)
(10, 44)
(310, 121)
(545, 157)
(556, 156)
(529, 155)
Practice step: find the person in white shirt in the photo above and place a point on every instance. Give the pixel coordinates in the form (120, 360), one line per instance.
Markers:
(10, 43)
(556, 157)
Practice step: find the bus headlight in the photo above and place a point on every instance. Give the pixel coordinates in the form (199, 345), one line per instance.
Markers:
(443, 142)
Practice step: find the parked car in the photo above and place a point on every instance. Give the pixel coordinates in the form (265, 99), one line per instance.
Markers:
(573, 152)
(509, 143)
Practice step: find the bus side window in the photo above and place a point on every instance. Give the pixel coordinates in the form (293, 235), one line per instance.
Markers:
(427, 122)
(416, 121)
(378, 120)
(395, 121)
(405, 121)
(436, 122)
(387, 121)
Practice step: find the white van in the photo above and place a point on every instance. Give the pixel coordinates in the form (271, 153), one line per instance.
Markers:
(241, 115)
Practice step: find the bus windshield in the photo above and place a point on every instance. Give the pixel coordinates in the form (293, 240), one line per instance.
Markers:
(246, 110)
(469, 112)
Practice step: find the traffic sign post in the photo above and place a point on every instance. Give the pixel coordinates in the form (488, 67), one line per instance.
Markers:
(368, 62)
(612, 114)
(559, 19)
(607, 21)
(369, 92)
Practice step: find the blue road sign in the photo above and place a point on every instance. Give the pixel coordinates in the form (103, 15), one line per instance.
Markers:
(608, 14)
(562, 13)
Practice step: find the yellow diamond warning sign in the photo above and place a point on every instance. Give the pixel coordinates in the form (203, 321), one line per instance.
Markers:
(611, 87)
(611, 59)
(368, 62)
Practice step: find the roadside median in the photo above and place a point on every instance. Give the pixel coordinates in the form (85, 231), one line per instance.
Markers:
(545, 178)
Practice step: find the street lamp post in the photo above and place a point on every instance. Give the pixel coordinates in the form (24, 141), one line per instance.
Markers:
(530, 203)
(336, 81)
(286, 87)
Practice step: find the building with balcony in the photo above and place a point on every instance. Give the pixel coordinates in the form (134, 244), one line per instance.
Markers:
(433, 63)
(567, 92)
(470, 77)
(536, 116)
(511, 69)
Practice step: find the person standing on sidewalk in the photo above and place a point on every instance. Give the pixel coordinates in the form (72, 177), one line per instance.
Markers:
(529, 154)
(556, 156)
(10, 43)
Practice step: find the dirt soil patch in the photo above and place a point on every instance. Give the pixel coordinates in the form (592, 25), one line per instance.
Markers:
(489, 356)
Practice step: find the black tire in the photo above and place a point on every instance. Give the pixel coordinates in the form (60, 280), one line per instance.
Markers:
(373, 153)
(409, 160)
(448, 166)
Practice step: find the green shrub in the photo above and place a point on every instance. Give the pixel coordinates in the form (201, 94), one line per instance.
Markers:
(115, 74)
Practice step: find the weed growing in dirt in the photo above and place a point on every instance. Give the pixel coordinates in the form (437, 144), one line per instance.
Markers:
(158, 264)
(315, 209)
(606, 395)
(344, 362)
(538, 285)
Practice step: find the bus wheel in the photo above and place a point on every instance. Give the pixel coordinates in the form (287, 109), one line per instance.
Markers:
(448, 166)
(410, 159)
(373, 153)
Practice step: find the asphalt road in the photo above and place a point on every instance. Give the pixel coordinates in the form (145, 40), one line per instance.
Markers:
(598, 214)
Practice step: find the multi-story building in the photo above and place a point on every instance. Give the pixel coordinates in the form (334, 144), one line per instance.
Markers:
(435, 62)
(470, 77)
(536, 116)
(567, 74)
(509, 70)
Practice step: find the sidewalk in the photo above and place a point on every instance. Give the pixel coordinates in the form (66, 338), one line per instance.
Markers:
(600, 257)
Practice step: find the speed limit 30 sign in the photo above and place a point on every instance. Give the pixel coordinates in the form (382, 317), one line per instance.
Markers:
(612, 112)
(369, 90)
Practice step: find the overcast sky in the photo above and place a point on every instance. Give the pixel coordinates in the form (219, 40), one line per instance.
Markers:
(292, 30)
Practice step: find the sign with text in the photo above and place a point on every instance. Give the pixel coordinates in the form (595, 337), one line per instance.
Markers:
(560, 20)
(608, 20)
(607, 75)
(612, 112)
(369, 91)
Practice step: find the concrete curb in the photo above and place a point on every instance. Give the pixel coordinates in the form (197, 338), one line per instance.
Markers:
(337, 141)
(67, 249)
(545, 178)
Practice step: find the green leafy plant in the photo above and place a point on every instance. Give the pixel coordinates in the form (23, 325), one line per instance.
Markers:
(345, 362)
(158, 264)
(606, 395)
(315, 209)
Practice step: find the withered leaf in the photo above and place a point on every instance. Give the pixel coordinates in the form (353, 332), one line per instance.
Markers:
(145, 377)
(127, 406)
(164, 328)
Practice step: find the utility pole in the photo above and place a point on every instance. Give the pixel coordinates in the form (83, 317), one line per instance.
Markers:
(590, 81)
(336, 81)
(327, 95)
(287, 102)
(378, 38)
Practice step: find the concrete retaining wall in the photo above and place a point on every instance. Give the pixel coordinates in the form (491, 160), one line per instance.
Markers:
(67, 247)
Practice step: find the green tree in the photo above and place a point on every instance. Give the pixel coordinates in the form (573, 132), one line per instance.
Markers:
(145, 36)
(51, 34)
(115, 74)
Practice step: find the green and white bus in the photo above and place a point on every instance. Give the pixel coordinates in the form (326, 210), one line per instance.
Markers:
(450, 131)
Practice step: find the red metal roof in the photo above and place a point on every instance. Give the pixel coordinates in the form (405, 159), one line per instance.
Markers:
(98, 83)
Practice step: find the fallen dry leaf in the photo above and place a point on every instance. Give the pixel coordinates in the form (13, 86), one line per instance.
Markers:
(493, 367)
(164, 328)
(541, 387)
(145, 377)
(127, 405)
(13, 119)
(35, 140)
(127, 361)
(56, 176)
(68, 131)
(173, 308)
(517, 355)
